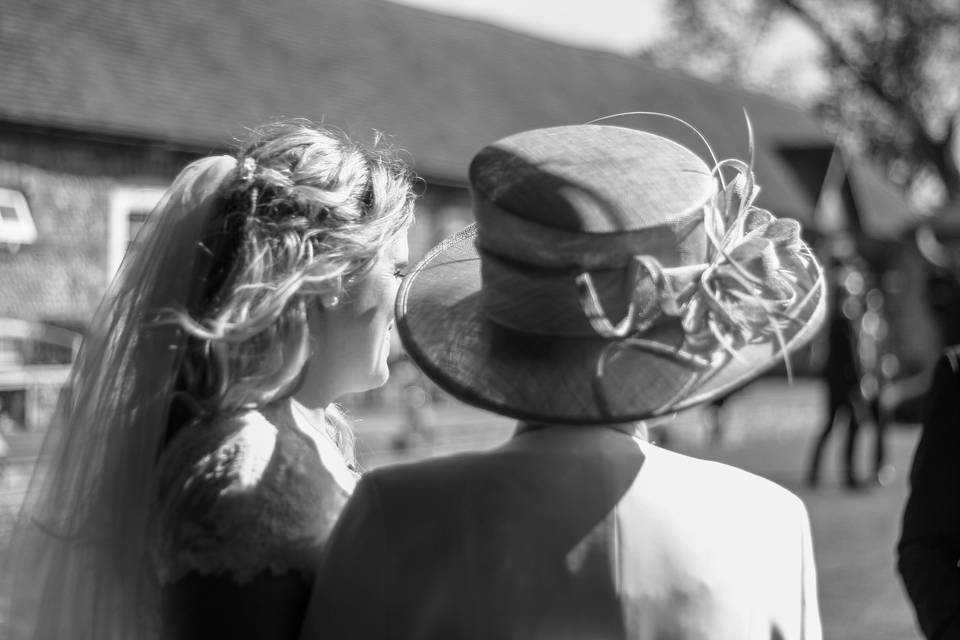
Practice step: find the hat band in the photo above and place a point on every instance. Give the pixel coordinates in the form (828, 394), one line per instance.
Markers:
(680, 241)
(552, 302)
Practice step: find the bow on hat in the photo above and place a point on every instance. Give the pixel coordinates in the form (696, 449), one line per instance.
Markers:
(758, 276)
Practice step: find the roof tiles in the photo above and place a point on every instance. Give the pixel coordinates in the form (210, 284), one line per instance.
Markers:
(198, 71)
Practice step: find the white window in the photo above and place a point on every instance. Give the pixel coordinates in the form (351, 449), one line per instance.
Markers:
(16, 223)
(129, 209)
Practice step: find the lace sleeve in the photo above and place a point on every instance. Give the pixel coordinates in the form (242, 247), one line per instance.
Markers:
(240, 496)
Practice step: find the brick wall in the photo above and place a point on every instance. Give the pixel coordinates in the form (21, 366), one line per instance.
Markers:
(66, 180)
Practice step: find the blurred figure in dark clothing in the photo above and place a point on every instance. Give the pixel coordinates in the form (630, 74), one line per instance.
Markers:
(942, 258)
(851, 369)
(929, 547)
(713, 417)
(840, 374)
(943, 293)
(876, 366)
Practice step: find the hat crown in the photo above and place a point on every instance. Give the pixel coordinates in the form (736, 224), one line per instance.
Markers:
(591, 179)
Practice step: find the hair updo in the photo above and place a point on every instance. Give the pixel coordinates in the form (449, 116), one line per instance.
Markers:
(306, 214)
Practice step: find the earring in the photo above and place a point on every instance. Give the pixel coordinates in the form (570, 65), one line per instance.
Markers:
(331, 299)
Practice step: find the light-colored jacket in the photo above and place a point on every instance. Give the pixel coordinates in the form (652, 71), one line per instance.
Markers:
(567, 532)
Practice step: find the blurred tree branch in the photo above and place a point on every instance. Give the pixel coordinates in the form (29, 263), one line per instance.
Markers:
(892, 87)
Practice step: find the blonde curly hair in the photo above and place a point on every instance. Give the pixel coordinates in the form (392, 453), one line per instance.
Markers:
(306, 215)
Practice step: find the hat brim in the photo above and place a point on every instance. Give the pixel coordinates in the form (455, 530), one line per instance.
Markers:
(550, 378)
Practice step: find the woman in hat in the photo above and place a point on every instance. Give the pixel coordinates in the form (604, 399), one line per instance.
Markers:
(611, 276)
(199, 464)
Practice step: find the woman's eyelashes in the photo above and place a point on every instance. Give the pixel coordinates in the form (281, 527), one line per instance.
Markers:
(401, 270)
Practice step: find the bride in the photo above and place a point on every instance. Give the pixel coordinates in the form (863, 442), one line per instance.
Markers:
(198, 462)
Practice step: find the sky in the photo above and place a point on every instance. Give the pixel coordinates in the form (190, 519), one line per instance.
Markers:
(622, 26)
(627, 26)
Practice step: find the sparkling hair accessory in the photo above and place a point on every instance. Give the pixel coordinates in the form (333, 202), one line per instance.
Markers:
(246, 169)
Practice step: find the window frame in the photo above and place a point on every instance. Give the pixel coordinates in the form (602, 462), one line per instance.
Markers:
(125, 201)
(21, 231)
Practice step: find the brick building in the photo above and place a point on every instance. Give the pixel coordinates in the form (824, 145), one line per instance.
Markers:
(103, 101)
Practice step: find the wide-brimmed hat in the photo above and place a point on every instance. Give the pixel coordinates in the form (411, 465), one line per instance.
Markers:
(611, 275)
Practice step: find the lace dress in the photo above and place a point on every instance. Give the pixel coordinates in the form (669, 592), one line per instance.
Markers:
(241, 495)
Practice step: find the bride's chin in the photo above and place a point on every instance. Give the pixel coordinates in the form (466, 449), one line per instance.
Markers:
(382, 375)
(381, 370)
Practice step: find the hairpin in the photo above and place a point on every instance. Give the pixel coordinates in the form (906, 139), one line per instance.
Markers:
(246, 169)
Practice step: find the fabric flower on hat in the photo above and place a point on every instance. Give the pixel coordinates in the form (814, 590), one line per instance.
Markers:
(756, 276)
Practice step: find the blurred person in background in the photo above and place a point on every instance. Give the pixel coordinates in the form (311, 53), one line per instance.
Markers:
(928, 551)
(603, 284)
(852, 367)
(929, 546)
(942, 261)
(198, 463)
(714, 414)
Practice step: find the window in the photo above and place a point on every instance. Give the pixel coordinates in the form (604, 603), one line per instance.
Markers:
(129, 209)
(35, 360)
(13, 410)
(16, 223)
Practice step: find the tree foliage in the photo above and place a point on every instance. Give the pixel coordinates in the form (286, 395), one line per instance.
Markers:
(891, 71)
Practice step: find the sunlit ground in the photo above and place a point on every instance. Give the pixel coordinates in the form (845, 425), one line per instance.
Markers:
(769, 432)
